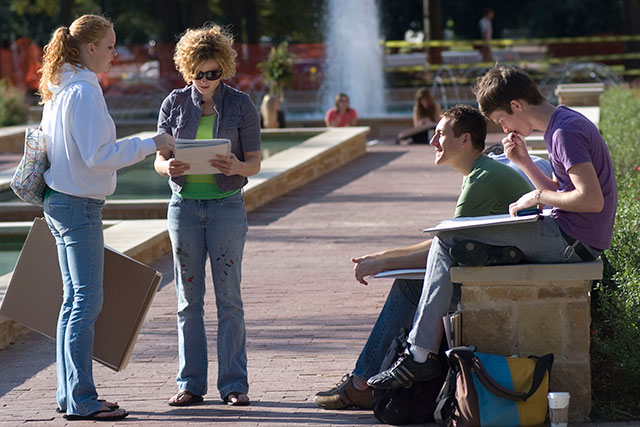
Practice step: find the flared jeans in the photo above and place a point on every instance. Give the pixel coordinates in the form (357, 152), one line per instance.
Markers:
(76, 224)
(214, 229)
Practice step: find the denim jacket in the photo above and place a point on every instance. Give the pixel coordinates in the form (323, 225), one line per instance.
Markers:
(237, 119)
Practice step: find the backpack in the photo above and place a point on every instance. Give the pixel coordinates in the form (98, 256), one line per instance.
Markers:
(490, 390)
(414, 405)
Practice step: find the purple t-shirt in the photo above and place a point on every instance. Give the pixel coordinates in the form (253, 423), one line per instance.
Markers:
(571, 138)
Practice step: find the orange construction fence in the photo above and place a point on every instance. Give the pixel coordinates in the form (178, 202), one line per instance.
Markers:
(20, 63)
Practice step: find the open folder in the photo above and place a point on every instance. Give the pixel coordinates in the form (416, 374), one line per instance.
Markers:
(198, 152)
(483, 221)
(34, 296)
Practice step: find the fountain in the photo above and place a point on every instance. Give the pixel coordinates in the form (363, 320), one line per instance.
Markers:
(354, 63)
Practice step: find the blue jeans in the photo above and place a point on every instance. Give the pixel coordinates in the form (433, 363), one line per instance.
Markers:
(397, 313)
(216, 228)
(540, 242)
(76, 224)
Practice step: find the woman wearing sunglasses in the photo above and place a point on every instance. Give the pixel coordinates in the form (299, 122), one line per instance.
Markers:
(206, 214)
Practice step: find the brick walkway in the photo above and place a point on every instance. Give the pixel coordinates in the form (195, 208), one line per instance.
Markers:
(307, 318)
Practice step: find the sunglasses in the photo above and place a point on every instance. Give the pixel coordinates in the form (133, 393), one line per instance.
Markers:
(210, 75)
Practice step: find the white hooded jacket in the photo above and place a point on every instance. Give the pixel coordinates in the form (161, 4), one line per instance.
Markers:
(81, 138)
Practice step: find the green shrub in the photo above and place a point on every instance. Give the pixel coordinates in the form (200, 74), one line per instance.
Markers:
(616, 300)
(278, 69)
(13, 105)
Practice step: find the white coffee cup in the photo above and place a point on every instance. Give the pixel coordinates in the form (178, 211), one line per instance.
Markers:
(559, 408)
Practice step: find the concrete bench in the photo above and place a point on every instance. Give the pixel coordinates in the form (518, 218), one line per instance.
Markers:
(534, 309)
(579, 93)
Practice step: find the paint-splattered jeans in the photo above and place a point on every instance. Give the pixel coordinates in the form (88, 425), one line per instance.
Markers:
(216, 228)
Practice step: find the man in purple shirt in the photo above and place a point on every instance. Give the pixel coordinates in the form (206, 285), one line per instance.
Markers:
(582, 192)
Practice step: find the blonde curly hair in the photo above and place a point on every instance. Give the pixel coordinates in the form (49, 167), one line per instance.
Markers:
(197, 46)
(64, 48)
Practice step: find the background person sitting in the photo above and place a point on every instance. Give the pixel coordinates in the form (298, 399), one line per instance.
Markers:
(271, 116)
(426, 113)
(342, 114)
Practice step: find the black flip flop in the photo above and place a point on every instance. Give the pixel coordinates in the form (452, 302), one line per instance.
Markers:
(93, 416)
(228, 401)
(192, 400)
(104, 402)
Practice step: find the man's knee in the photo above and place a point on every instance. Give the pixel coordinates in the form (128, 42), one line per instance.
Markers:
(411, 289)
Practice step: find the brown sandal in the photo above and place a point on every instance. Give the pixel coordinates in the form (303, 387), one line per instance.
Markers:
(191, 399)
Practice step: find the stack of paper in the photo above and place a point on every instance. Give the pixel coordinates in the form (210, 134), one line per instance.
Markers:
(453, 327)
(198, 152)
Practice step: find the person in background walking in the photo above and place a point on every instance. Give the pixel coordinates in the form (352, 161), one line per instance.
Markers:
(486, 33)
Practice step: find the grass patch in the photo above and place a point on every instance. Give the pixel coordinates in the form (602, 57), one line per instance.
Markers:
(615, 303)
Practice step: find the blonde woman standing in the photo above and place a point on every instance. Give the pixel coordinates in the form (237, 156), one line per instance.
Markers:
(206, 213)
(84, 156)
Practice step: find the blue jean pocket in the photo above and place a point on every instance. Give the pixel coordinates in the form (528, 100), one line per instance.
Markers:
(59, 216)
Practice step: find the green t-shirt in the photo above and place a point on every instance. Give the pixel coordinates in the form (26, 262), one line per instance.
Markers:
(203, 187)
(489, 189)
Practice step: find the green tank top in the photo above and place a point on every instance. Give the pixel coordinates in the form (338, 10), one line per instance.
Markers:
(203, 187)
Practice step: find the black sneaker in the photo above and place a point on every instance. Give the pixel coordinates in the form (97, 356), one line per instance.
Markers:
(405, 371)
(470, 252)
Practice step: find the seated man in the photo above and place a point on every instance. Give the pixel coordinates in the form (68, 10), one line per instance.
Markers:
(582, 194)
(488, 188)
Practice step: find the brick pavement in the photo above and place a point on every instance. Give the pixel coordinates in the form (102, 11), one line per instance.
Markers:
(307, 318)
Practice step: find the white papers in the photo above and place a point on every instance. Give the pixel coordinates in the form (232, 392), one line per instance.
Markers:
(483, 221)
(404, 273)
(198, 152)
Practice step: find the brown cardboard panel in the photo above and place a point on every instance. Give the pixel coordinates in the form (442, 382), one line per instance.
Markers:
(34, 296)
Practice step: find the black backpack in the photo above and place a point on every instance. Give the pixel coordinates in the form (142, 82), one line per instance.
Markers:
(414, 405)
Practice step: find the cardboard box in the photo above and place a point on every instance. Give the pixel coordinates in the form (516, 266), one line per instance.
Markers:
(34, 296)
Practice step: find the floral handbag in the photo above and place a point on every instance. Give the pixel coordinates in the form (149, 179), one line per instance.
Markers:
(28, 180)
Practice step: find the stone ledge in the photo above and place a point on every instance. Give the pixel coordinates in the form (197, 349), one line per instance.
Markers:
(534, 309)
(527, 272)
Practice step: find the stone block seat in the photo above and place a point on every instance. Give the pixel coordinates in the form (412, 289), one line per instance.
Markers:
(534, 309)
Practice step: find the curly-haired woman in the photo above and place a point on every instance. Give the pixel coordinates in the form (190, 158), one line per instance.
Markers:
(206, 213)
(84, 156)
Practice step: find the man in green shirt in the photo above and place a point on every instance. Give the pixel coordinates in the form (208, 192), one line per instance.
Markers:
(488, 188)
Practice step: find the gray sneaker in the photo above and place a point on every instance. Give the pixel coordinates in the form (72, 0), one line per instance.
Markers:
(345, 395)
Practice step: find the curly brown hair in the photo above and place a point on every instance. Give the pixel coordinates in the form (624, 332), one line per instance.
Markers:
(64, 48)
(197, 46)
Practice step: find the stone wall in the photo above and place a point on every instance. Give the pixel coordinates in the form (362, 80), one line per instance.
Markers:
(534, 309)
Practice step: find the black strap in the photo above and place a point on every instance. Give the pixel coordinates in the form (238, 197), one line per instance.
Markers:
(580, 248)
(543, 364)
(447, 402)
